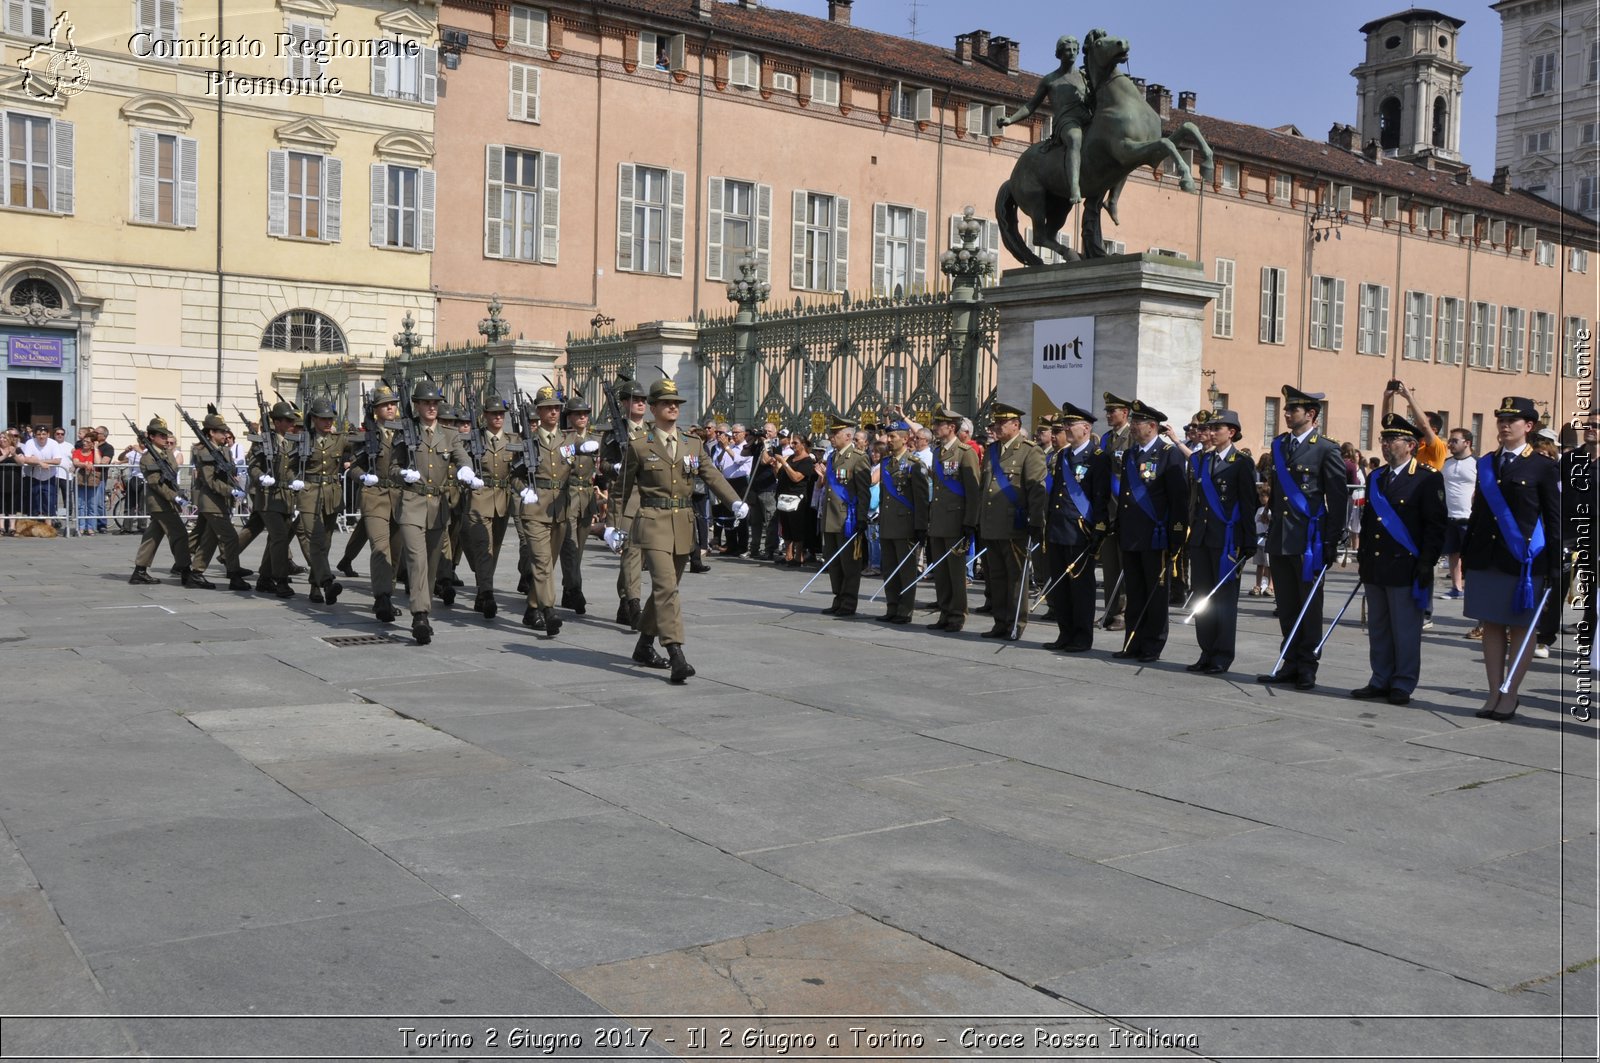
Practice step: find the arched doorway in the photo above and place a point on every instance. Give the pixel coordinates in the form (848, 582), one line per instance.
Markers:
(1389, 124)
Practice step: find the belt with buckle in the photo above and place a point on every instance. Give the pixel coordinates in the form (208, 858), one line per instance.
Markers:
(665, 503)
(550, 485)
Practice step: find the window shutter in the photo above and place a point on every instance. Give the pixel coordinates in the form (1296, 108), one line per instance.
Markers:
(1319, 337)
(146, 145)
(427, 182)
(380, 68)
(924, 105)
(4, 185)
(550, 208)
(534, 78)
(517, 104)
(1460, 335)
(39, 23)
(1265, 334)
(625, 216)
(167, 18)
(764, 232)
(955, 232)
(1491, 338)
(1427, 327)
(1410, 327)
(494, 176)
(714, 269)
(675, 207)
(188, 182)
(428, 90)
(991, 242)
(147, 15)
(380, 192)
(62, 193)
(1383, 320)
(332, 198)
(1338, 314)
(880, 247)
(797, 254)
(841, 244)
(919, 251)
(277, 193)
(674, 51)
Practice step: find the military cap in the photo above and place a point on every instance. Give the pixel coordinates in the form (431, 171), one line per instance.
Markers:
(494, 404)
(664, 390)
(1070, 413)
(282, 411)
(1138, 411)
(382, 394)
(1225, 417)
(157, 427)
(630, 389)
(426, 391)
(323, 408)
(946, 414)
(839, 424)
(1112, 402)
(451, 412)
(1293, 396)
(896, 424)
(1518, 407)
(546, 396)
(1201, 417)
(214, 421)
(578, 404)
(1004, 412)
(1396, 425)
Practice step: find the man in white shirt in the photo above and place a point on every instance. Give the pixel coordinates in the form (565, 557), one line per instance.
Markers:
(46, 459)
(1460, 481)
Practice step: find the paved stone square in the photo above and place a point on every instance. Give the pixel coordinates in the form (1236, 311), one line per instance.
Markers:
(210, 811)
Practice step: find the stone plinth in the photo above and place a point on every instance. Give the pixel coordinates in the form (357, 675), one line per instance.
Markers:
(666, 349)
(1149, 316)
(525, 365)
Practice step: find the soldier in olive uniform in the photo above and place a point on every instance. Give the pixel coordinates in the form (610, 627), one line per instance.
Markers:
(631, 394)
(423, 474)
(1222, 532)
(1114, 442)
(216, 487)
(952, 517)
(902, 521)
(659, 471)
(846, 496)
(1010, 518)
(163, 498)
(1076, 523)
(452, 547)
(1151, 519)
(319, 484)
(379, 499)
(1310, 495)
(490, 508)
(544, 521)
(583, 500)
(273, 500)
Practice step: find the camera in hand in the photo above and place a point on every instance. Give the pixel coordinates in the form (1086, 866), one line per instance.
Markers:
(1395, 385)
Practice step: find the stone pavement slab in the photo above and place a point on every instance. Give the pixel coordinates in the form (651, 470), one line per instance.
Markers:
(453, 804)
(573, 739)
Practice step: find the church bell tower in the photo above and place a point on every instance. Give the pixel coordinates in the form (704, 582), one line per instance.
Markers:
(1408, 89)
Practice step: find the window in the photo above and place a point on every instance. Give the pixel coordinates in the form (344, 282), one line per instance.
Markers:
(1544, 253)
(1477, 428)
(661, 50)
(1228, 175)
(1482, 337)
(899, 248)
(650, 220)
(1578, 261)
(28, 18)
(303, 330)
(1283, 188)
(744, 70)
(825, 86)
(1451, 331)
(1418, 337)
(821, 254)
(303, 195)
(739, 217)
(786, 83)
(404, 70)
(37, 154)
(983, 120)
(1271, 415)
(1588, 201)
(1274, 300)
(1327, 313)
(165, 179)
(1372, 328)
(1222, 311)
(1591, 72)
(1537, 143)
(1575, 348)
(402, 207)
(1365, 439)
(910, 103)
(1512, 327)
(1589, 134)
(523, 105)
(530, 27)
(521, 204)
(300, 50)
(1541, 342)
(1543, 79)
(158, 21)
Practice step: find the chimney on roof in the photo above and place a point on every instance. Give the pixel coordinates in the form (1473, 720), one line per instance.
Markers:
(839, 11)
(1005, 54)
(1502, 180)
(964, 49)
(1464, 176)
(749, 5)
(1138, 83)
(980, 44)
(1344, 137)
(1373, 152)
(1160, 100)
(702, 9)
(1187, 101)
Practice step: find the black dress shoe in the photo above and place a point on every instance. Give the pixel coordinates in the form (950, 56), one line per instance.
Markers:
(193, 579)
(566, 599)
(238, 583)
(456, 581)
(996, 633)
(984, 610)
(1214, 669)
(1399, 697)
(347, 569)
(1149, 658)
(842, 613)
(580, 605)
(421, 630)
(282, 589)
(1369, 692)
(1277, 677)
(937, 625)
(141, 576)
(1502, 717)
(317, 597)
(1305, 682)
(951, 627)
(644, 652)
(1122, 655)
(699, 566)
(265, 585)
(1199, 666)
(384, 609)
(552, 623)
(1057, 643)
(333, 588)
(1076, 647)
(898, 619)
(832, 610)
(533, 618)
(887, 618)
(296, 570)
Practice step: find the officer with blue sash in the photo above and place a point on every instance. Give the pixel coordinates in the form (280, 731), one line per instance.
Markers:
(902, 521)
(846, 492)
(1221, 533)
(1075, 524)
(1010, 517)
(1151, 512)
(1310, 496)
(952, 516)
(1513, 545)
(1114, 441)
(1402, 534)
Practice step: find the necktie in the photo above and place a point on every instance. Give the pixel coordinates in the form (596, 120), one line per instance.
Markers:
(672, 447)
(1505, 460)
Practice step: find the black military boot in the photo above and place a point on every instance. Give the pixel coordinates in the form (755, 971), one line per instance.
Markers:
(622, 612)
(566, 599)
(681, 669)
(644, 652)
(552, 623)
(580, 605)
(524, 584)
(282, 589)
(141, 575)
(266, 584)
(445, 591)
(384, 609)
(194, 580)
(347, 569)
(421, 630)
(533, 618)
(317, 597)
(457, 581)
(296, 569)
(333, 588)
(237, 582)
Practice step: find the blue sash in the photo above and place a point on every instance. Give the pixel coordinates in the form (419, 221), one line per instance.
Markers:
(1049, 477)
(1074, 489)
(1116, 466)
(1312, 558)
(1019, 514)
(837, 487)
(1208, 488)
(886, 481)
(953, 486)
(1391, 522)
(1141, 497)
(1522, 550)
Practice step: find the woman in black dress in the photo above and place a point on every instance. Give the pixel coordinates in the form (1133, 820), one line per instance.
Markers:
(797, 476)
(10, 482)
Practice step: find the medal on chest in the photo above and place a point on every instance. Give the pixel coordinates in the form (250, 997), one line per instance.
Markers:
(1079, 472)
(1147, 471)
(691, 463)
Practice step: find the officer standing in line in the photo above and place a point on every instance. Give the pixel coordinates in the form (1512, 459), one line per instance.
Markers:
(457, 497)
(319, 485)
(424, 476)
(1221, 533)
(1114, 442)
(659, 471)
(544, 521)
(1309, 498)
(275, 501)
(216, 486)
(1075, 525)
(846, 495)
(490, 507)
(164, 499)
(583, 500)
(631, 395)
(379, 499)
(1402, 535)
(952, 516)
(1150, 526)
(1010, 518)
(902, 521)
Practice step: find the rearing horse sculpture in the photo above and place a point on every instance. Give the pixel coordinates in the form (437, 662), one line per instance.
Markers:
(1124, 134)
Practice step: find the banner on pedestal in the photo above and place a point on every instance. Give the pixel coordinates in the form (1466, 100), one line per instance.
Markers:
(1063, 364)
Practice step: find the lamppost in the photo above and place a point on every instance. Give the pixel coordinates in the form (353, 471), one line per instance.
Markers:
(749, 291)
(1213, 395)
(967, 265)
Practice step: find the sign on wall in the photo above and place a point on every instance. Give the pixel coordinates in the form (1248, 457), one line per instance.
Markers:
(1063, 364)
(34, 352)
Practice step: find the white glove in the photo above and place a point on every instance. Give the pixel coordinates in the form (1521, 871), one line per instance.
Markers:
(237, 493)
(368, 480)
(590, 446)
(465, 474)
(411, 476)
(616, 539)
(740, 510)
(529, 496)
(266, 481)
(476, 483)
(297, 485)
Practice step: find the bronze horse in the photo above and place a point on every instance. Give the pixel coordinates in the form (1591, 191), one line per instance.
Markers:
(1124, 135)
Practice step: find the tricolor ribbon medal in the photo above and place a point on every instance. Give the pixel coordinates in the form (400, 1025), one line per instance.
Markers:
(691, 463)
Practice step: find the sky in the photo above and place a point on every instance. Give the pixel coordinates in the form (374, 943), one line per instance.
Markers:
(1254, 61)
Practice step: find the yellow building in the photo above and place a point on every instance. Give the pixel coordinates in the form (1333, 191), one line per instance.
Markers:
(189, 205)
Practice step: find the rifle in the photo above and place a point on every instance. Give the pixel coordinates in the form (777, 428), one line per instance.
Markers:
(616, 452)
(369, 430)
(221, 459)
(474, 432)
(163, 464)
(530, 440)
(302, 448)
(267, 439)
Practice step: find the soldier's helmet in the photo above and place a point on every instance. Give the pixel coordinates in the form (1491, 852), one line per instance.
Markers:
(324, 408)
(426, 391)
(495, 404)
(546, 396)
(451, 412)
(630, 389)
(578, 404)
(214, 422)
(382, 394)
(282, 411)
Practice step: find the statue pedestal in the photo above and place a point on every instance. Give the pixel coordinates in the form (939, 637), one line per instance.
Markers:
(523, 364)
(1141, 318)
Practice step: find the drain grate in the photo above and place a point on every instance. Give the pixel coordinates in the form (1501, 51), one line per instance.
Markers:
(341, 642)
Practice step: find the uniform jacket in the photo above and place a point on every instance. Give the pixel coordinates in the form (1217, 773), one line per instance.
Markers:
(214, 483)
(582, 481)
(162, 494)
(441, 450)
(1165, 476)
(1091, 469)
(910, 479)
(500, 469)
(658, 510)
(1115, 442)
(1531, 486)
(949, 512)
(277, 498)
(854, 471)
(380, 499)
(1417, 494)
(1319, 469)
(555, 453)
(1235, 480)
(1023, 462)
(323, 473)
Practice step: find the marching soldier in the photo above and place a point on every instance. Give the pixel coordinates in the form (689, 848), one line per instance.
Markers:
(631, 394)
(319, 484)
(490, 507)
(1010, 518)
(902, 521)
(273, 500)
(1150, 524)
(544, 521)
(1221, 535)
(1402, 535)
(379, 502)
(216, 486)
(1308, 502)
(457, 495)
(582, 502)
(846, 491)
(1075, 525)
(423, 475)
(952, 517)
(164, 497)
(659, 471)
(1115, 443)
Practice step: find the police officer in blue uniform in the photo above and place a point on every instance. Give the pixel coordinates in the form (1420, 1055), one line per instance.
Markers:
(1151, 510)
(1075, 525)
(1221, 535)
